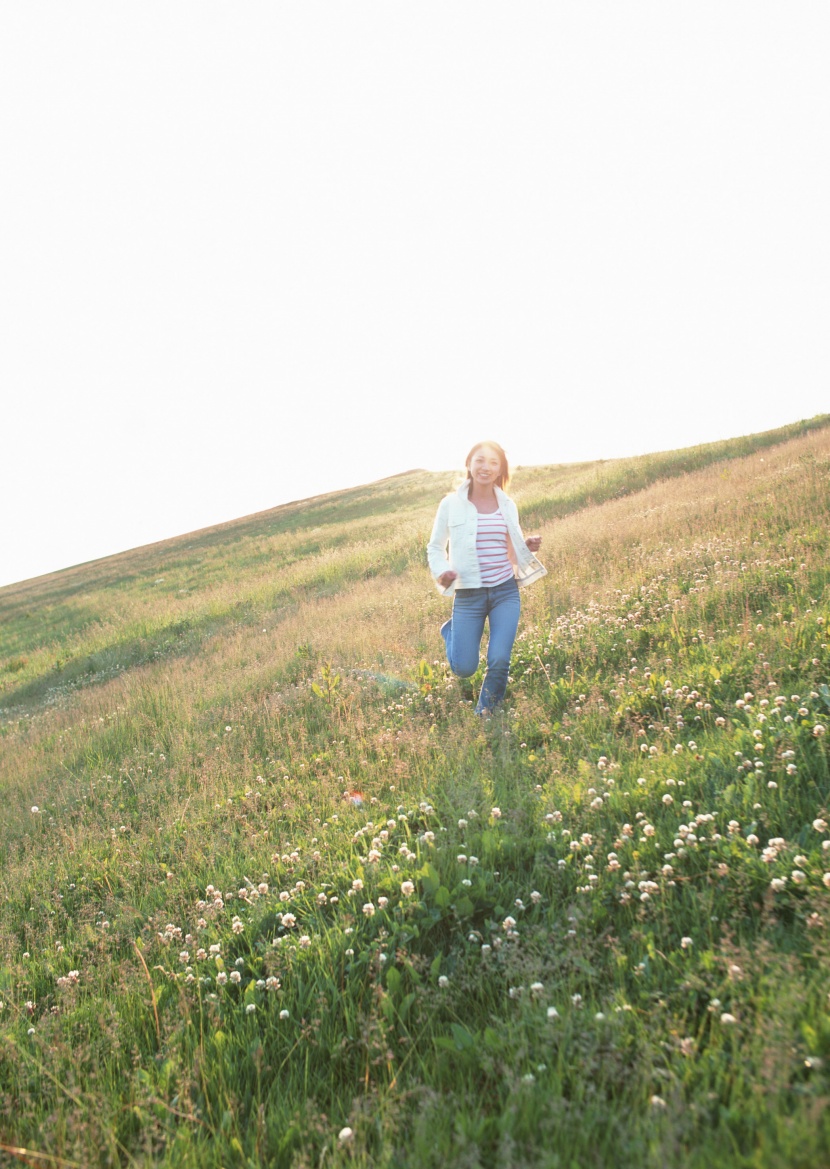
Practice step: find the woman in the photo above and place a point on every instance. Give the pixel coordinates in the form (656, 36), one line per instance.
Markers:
(488, 559)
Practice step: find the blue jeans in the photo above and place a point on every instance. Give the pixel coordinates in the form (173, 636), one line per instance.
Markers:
(463, 632)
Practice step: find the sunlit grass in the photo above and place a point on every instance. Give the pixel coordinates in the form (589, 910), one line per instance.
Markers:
(592, 931)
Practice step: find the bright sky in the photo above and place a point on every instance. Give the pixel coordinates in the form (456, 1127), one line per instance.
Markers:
(253, 252)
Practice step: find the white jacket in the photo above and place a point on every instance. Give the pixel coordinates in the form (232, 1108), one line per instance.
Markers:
(456, 524)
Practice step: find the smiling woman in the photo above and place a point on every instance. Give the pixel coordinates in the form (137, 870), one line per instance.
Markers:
(478, 555)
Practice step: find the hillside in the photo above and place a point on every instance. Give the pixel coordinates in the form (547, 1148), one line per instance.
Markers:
(591, 931)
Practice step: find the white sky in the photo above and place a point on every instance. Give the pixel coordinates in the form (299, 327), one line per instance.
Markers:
(253, 252)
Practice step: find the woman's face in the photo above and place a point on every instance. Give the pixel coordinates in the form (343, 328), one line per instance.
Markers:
(485, 466)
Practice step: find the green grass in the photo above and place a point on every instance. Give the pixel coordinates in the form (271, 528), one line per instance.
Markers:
(592, 964)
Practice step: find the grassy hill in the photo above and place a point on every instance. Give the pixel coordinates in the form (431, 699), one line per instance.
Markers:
(591, 931)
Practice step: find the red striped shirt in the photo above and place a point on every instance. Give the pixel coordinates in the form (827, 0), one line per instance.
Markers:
(491, 549)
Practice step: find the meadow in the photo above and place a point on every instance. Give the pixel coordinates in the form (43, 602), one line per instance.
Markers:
(273, 896)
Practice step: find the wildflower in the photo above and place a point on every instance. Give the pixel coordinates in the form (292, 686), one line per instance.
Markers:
(216, 948)
(383, 902)
(825, 880)
(658, 1102)
(535, 897)
(262, 888)
(509, 923)
(221, 978)
(820, 825)
(495, 813)
(237, 926)
(369, 909)
(407, 888)
(289, 920)
(272, 983)
(536, 988)
(799, 877)
(357, 884)
(284, 1014)
(818, 730)
(777, 884)
(250, 1008)
(686, 943)
(35, 809)
(552, 1013)
(345, 1134)
(443, 981)
(728, 1019)
(305, 942)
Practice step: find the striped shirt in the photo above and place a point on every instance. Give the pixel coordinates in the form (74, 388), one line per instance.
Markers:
(491, 548)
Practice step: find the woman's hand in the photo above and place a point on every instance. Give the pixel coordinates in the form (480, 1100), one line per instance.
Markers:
(446, 578)
(534, 543)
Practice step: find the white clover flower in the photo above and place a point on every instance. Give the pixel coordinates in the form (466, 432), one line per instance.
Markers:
(728, 1019)
(221, 978)
(820, 825)
(236, 977)
(346, 1134)
(798, 877)
(818, 730)
(495, 813)
(369, 909)
(535, 897)
(686, 943)
(284, 1014)
(304, 942)
(443, 981)
(250, 1008)
(552, 1013)
(777, 884)
(383, 902)
(407, 888)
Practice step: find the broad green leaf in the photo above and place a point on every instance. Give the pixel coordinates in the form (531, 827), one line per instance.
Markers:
(442, 897)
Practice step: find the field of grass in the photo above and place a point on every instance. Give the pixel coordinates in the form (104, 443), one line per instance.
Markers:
(273, 896)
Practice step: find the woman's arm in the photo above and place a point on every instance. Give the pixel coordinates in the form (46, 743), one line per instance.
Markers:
(533, 543)
(437, 546)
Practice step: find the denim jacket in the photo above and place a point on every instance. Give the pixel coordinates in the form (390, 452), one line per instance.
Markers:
(456, 524)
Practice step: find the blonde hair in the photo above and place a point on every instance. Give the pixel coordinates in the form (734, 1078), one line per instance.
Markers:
(503, 478)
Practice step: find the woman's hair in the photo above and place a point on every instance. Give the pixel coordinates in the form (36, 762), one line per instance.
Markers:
(504, 471)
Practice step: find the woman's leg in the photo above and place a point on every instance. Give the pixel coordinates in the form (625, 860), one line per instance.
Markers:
(462, 633)
(504, 608)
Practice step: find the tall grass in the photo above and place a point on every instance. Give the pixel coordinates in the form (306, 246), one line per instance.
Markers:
(307, 893)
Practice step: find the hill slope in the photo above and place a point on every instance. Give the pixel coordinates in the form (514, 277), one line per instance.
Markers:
(592, 931)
